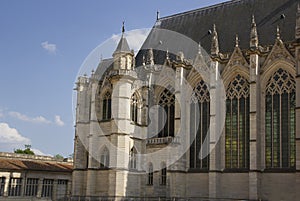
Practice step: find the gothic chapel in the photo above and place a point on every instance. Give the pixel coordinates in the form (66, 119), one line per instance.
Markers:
(254, 47)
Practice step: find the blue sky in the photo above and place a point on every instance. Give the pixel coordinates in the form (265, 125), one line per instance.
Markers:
(42, 46)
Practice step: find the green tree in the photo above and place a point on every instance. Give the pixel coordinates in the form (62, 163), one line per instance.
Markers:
(58, 156)
(27, 150)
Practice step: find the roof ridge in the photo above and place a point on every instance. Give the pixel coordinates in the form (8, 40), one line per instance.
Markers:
(226, 3)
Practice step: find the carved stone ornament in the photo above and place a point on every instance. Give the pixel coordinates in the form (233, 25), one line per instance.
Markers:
(278, 51)
(237, 59)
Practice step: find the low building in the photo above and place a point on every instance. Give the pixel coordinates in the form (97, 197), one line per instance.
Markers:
(30, 177)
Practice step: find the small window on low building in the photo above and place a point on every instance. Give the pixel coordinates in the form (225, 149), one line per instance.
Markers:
(31, 186)
(47, 188)
(2, 185)
(15, 185)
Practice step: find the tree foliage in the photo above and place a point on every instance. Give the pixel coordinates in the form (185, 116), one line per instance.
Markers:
(58, 156)
(27, 150)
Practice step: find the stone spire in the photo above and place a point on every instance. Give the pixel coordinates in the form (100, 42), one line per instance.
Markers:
(123, 46)
(123, 56)
(253, 34)
(297, 35)
(215, 42)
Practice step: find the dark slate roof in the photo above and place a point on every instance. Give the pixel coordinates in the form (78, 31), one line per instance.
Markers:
(231, 18)
(34, 165)
(103, 67)
(123, 45)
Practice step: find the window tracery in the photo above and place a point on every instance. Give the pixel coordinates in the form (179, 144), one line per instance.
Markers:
(104, 158)
(199, 125)
(133, 158)
(134, 108)
(237, 124)
(106, 106)
(150, 174)
(280, 121)
(167, 102)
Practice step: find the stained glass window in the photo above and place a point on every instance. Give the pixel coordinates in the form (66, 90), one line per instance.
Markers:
(280, 121)
(199, 125)
(167, 102)
(237, 124)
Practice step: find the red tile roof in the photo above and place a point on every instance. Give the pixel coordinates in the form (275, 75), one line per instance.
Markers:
(36, 165)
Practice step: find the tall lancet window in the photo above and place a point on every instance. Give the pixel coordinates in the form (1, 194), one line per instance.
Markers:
(280, 121)
(134, 108)
(150, 174)
(166, 119)
(199, 125)
(104, 158)
(237, 124)
(106, 106)
(133, 158)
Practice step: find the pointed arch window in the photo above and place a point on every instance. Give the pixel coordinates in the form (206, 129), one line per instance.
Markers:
(150, 174)
(106, 106)
(104, 158)
(199, 125)
(237, 124)
(134, 108)
(280, 150)
(167, 120)
(133, 158)
(163, 174)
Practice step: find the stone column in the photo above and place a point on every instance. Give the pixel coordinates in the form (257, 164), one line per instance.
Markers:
(215, 155)
(81, 140)
(121, 132)
(254, 143)
(93, 149)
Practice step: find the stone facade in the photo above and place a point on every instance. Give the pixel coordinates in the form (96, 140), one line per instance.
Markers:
(121, 151)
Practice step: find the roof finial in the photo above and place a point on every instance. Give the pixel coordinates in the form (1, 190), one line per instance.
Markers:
(278, 32)
(253, 35)
(215, 42)
(123, 27)
(157, 15)
(199, 48)
(236, 40)
(150, 57)
(253, 20)
(167, 55)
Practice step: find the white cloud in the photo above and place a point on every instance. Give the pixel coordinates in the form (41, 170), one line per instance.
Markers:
(10, 138)
(135, 38)
(58, 121)
(39, 152)
(51, 48)
(39, 119)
